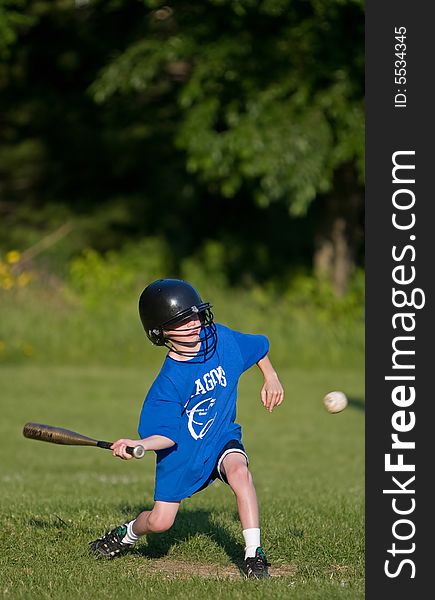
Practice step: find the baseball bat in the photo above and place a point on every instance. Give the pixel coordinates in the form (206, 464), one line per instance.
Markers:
(59, 435)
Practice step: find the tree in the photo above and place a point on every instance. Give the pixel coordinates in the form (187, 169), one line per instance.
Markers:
(269, 96)
(140, 117)
(12, 20)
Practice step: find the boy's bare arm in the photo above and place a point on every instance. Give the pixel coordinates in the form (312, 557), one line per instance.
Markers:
(153, 442)
(272, 392)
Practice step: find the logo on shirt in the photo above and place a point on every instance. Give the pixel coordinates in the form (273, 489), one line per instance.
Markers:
(201, 416)
(209, 381)
(200, 419)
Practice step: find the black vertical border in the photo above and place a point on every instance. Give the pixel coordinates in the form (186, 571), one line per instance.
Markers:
(389, 129)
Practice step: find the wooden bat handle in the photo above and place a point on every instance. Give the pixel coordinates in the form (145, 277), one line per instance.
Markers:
(136, 451)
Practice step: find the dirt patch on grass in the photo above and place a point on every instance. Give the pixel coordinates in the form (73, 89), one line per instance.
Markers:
(341, 570)
(176, 569)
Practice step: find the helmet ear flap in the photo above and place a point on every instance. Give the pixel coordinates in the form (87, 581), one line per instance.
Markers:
(156, 336)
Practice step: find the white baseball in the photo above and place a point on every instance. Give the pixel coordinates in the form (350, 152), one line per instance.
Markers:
(335, 402)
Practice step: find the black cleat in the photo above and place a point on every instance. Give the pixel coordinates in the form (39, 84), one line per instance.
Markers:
(110, 544)
(256, 567)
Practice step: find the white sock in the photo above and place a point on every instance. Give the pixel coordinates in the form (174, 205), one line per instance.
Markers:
(252, 541)
(130, 537)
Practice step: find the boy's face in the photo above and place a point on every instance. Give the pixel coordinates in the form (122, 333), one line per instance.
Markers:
(187, 332)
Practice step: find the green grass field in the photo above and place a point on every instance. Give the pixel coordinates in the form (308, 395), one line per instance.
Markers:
(308, 467)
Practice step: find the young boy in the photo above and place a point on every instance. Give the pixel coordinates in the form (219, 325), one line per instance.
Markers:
(188, 416)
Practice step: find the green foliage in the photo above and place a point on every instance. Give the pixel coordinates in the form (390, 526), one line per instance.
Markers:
(275, 102)
(207, 267)
(307, 292)
(116, 276)
(207, 125)
(91, 317)
(12, 20)
(285, 154)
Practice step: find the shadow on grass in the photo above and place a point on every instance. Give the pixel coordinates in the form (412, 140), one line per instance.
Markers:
(52, 522)
(188, 524)
(357, 403)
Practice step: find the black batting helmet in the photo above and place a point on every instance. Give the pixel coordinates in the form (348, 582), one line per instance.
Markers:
(165, 303)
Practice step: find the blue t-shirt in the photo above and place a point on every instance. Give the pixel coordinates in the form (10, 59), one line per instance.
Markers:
(194, 404)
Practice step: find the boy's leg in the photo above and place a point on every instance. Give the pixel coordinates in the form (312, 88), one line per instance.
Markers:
(234, 467)
(157, 520)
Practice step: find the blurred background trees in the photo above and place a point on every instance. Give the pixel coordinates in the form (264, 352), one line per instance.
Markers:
(223, 139)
